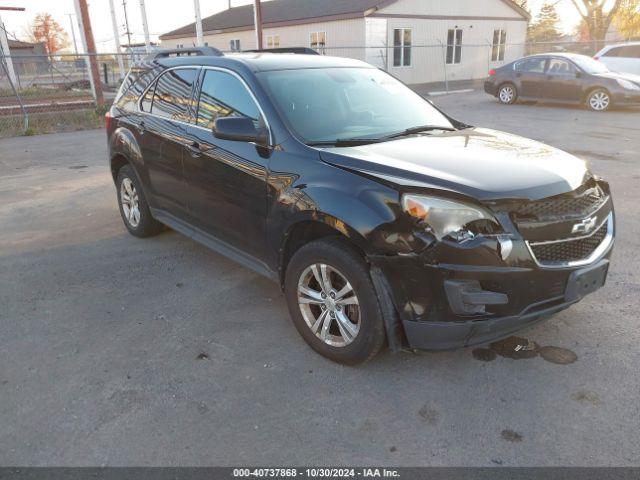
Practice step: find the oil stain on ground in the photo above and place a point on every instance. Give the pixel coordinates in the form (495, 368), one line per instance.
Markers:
(586, 397)
(429, 415)
(518, 348)
(561, 356)
(511, 436)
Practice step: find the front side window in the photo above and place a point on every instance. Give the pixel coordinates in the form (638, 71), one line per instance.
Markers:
(234, 45)
(318, 40)
(224, 95)
(172, 95)
(560, 67)
(401, 47)
(499, 45)
(273, 41)
(454, 46)
(531, 65)
(346, 103)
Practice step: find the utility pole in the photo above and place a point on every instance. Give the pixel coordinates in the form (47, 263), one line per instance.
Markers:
(5, 53)
(199, 41)
(86, 34)
(73, 33)
(145, 26)
(126, 23)
(257, 20)
(116, 38)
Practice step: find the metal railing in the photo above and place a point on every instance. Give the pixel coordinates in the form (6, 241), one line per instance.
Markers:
(52, 93)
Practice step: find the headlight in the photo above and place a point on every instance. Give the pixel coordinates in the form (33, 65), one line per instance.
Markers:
(444, 217)
(627, 84)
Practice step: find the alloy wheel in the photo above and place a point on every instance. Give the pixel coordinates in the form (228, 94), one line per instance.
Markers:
(507, 94)
(599, 101)
(329, 305)
(129, 201)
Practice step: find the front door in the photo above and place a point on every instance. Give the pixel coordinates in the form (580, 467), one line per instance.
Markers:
(227, 179)
(562, 81)
(162, 133)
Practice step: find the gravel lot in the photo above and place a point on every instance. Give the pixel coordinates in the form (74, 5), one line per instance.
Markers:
(119, 351)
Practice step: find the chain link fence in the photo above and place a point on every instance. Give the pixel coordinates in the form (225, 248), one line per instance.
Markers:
(53, 93)
(45, 94)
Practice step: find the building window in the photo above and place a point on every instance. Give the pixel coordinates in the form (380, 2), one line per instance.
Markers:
(318, 40)
(402, 47)
(273, 41)
(499, 45)
(180, 45)
(454, 46)
(206, 44)
(234, 45)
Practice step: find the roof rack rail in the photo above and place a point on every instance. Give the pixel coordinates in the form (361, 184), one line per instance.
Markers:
(179, 52)
(298, 50)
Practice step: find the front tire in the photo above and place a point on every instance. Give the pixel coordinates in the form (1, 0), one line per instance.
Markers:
(507, 94)
(599, 100)
(134, 208)
(333, 303)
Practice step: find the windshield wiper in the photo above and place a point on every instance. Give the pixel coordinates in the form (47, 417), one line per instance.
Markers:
(345, 142)
(418, 129)
(354, 142)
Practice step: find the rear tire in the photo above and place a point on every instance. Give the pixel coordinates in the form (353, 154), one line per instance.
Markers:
(333, 303)
(134, 208)
(507, 94)
(599, 100)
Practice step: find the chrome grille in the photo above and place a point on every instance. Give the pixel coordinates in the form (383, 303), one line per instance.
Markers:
(572, 251)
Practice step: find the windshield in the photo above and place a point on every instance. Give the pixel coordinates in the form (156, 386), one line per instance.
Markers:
(590, 65)
(330, 104)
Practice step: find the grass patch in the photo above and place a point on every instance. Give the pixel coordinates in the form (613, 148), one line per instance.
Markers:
(53, 122)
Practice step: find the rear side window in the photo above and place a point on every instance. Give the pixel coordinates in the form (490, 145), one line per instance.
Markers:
(132, 87)
(629, 51)
(224, 95)
(533, 65)
(172, 94)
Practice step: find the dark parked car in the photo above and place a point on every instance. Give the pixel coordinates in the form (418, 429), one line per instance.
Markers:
(563, 77)
(382, 218)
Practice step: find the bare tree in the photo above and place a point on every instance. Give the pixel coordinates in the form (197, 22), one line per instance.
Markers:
(597, 17)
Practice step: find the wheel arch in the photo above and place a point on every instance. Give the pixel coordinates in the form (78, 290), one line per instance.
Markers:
(314, 226)
(592, 89)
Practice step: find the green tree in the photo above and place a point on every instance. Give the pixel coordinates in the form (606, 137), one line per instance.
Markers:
(627, 20)
(545, 26)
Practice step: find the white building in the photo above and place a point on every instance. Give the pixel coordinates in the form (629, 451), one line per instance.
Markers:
(418, 41)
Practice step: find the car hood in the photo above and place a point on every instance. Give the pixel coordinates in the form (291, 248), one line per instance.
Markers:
(481, 163)
(622, 76)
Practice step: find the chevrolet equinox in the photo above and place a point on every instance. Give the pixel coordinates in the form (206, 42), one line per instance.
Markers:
(384, 220)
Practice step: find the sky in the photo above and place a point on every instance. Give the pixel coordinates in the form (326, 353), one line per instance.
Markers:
(163, 16)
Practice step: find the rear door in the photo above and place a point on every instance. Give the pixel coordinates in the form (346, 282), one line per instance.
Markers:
(227, 179)
(561, 82)
(163, 130)
(530, 76)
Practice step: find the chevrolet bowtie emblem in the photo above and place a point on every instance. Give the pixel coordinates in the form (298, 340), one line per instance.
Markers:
(585, 226)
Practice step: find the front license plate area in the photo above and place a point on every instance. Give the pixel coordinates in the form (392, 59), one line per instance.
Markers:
(586, 280)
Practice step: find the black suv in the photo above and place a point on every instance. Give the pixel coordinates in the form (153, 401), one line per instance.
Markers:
(383, 219)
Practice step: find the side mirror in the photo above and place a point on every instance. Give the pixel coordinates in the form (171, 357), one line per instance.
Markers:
(239, 129)
(578, 74)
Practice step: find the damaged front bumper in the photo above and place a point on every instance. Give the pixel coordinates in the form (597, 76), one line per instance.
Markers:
(458, 295)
